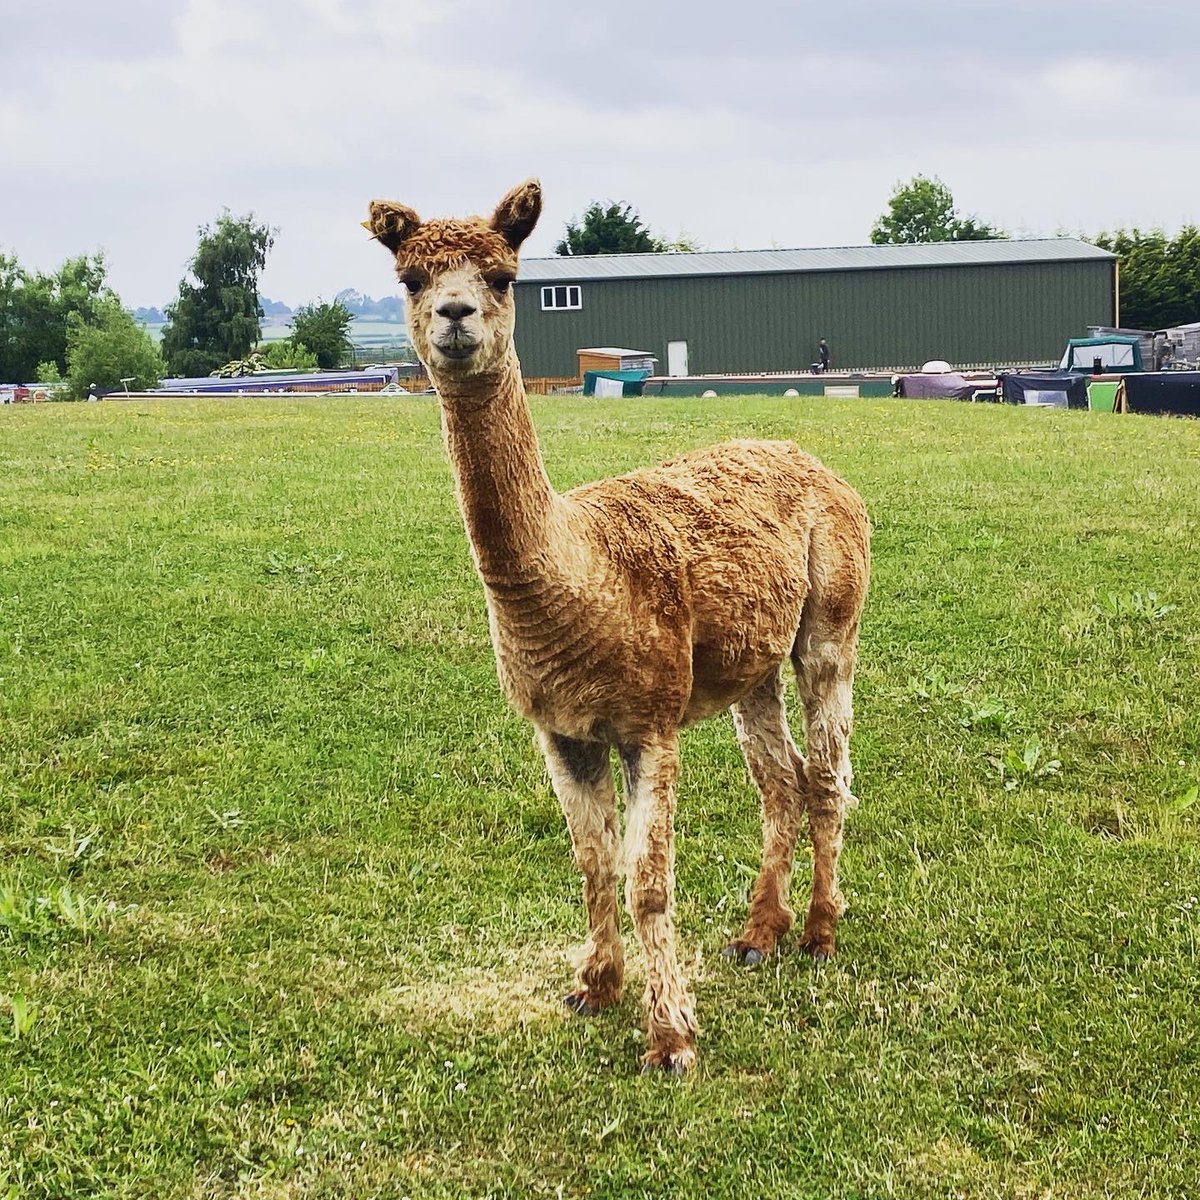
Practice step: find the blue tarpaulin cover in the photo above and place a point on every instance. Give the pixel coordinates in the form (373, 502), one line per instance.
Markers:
(1053, 389)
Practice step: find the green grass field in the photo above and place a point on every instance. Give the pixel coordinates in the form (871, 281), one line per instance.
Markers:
(286, 902)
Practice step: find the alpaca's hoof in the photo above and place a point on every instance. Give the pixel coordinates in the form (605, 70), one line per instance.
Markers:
(819, 949)
(747, 956)
(669, 1066)
(580, 1004)
(676, 1063)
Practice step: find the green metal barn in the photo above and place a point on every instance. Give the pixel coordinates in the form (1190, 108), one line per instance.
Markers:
(881, 307)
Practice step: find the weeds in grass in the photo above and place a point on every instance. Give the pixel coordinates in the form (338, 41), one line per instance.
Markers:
(1032, 764)
(75, 852)
(231, 818)
(23, 1015)
(305, 568)
(1178, 816)
(934, 686)
(989, 715)
(1185, 801)
(1170, 821)
(1132, 606)
(982, 714)
(320, 660)
(32, 917)
(983, 540)
(1120, 614)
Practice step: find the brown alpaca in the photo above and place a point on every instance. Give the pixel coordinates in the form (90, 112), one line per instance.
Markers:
(629, 608)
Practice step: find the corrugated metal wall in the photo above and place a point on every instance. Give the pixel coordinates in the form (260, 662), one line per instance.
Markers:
(880, 318)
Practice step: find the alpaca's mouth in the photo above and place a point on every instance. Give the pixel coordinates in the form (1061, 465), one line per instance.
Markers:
(455, 345)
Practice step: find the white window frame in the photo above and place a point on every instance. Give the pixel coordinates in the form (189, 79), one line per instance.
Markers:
(574, 297)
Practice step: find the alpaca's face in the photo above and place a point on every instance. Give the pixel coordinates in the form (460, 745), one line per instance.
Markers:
(459, 276)
(458, 281)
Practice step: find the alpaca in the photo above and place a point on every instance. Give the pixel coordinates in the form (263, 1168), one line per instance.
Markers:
(628, 608)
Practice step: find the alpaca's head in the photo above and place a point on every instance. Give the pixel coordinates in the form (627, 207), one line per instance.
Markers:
(459, 275)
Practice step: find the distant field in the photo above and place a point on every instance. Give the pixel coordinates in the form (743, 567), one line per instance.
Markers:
(362, 333)
(366, 333)
(286, 902)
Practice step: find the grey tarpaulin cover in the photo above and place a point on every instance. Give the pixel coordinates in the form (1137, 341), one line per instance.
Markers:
(947, 386)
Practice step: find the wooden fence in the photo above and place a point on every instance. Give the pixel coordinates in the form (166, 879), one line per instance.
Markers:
(547, 384)
(534, 387)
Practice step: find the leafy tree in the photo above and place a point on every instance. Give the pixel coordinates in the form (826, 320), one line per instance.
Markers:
(286, 354)
(324, 330)
(112, 348)
(685, 243)
(11, 354)
(36, 311)
(76, 293)
(616, 229)
(1160, 276)
(215, 319)
(49, 374)
(922, 210)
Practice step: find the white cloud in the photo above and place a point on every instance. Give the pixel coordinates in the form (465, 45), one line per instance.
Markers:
(789, 125)
(1091, 85)
(209, 27)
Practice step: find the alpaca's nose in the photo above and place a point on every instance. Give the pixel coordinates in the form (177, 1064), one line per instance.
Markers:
(455, 310)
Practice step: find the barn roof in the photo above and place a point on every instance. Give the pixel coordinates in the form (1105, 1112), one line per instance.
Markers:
(574, 268)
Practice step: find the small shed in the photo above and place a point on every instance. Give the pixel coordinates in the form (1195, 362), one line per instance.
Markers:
(614, 358)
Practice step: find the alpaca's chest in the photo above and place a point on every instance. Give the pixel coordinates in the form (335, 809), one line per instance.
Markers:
(584, 674)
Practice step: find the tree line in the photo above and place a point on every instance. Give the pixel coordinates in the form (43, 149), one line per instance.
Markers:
(69, 328)
(1160, 274)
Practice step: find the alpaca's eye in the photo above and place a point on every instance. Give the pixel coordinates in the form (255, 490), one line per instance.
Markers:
(413, 285)
(502, 283)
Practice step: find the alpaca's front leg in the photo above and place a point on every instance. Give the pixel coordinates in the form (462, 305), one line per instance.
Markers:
(650, 771)
(583, 783)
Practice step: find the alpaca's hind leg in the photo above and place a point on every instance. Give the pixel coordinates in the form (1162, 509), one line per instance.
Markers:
(777, 768)
(825, 674)
(651, 769)
(583, 783)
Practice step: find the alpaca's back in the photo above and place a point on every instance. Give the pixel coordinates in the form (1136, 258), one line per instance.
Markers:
(740, 484)
(739, 515)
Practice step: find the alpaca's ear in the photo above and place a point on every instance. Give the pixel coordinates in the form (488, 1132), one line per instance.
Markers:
(391, 223)
(518, 213)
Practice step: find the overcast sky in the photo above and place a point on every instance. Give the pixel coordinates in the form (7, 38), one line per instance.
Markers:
(125, 126)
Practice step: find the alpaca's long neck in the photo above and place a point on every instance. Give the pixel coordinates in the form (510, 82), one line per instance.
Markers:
(503, 490)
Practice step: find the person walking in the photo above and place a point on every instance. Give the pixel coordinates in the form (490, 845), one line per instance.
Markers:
(823, 353)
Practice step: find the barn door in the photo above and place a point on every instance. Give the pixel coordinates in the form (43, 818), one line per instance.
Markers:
(677, 363)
